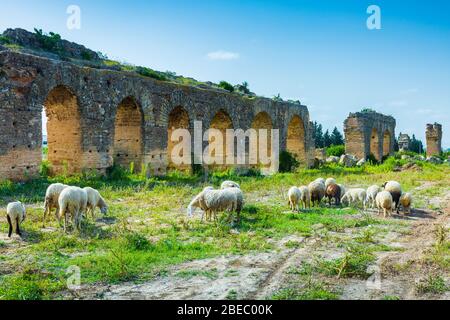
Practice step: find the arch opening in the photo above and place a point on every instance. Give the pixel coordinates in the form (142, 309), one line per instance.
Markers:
(386, 144)
(178, 119)
(222, 122)
(375, 144)
(62, 131)
(296, 138)
(263, 121)
(128, 134)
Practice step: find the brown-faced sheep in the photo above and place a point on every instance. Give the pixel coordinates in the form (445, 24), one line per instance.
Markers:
(333, 191)
(405, 201)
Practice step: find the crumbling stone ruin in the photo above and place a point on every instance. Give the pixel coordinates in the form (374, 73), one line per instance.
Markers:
(98, 117)
(403, 142)
(369, 133)
(434, 139)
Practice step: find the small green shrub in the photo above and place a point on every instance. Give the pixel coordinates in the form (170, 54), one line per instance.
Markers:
(137, 242)
(147, 72)
(85, 55)
(226, 86)
(336, 151)
(5, 40)
(49, 41)
(45, 169)
(288, 163)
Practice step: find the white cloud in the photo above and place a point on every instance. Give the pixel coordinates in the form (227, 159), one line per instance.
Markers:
(398, 103)
(222, 55)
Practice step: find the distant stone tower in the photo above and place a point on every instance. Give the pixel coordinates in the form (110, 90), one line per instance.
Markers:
(434, 138)
(403, 142)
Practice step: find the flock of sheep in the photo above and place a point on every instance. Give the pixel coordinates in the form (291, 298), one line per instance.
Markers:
(74, 202)
(385, 198)
(69, 202)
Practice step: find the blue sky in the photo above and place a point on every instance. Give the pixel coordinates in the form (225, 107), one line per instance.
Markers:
(319, 52)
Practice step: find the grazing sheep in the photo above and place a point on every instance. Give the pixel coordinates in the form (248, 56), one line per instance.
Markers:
(329, 181)
(405, 201)
(72, 201)
(95, 200)
(333, 191)
(229, 184)
(239, 201)
(321, 180)
(372, 192)
(356, 195)
(343, 190)
(384, 202)
(396, 191)
(294, 196)
(305, 198)
(51, 199)
(15, 214)
(316, 191)
(213, 201)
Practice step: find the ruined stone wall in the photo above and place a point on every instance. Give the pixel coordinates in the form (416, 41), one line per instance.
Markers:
(434, 139)
(369, 133)
(93, 127)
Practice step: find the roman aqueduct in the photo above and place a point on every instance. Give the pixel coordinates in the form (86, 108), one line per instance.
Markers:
(100, 117)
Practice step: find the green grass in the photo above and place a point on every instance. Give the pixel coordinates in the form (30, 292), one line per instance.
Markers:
(147, 230)
(313, 290)
(432, 284)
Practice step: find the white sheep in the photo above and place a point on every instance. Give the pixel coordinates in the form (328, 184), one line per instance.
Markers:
(405, 201)
(356, 195)
(396, 191)
(294, 198)
(72, 201)
(305, 197)
(229, 184)
(384, 202)
(95, 200)
(316, 191)
(372, 192)
(213, 201)
(321, 180)
(15, 214)
(329, 181)
(343, 190)
(51, 199)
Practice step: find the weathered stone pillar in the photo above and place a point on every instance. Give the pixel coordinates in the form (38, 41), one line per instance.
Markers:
(434, 139)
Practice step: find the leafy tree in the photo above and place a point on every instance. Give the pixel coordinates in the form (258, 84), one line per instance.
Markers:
(336, 151)
(226, 86)
(277, 98)
(327, 139)
(416, 145)
(243, 88)
(318, 134)
(336, 137)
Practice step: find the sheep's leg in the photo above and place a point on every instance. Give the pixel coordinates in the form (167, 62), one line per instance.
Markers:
(18, 227)
(10, 226)
(45, 213)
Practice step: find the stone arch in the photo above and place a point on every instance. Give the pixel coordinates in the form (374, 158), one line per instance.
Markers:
(375, 144)
(222, 122)
(178, 119)
(64, 132)
(386, 143)
(295, 143)
(128, 133)
(263, 121)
